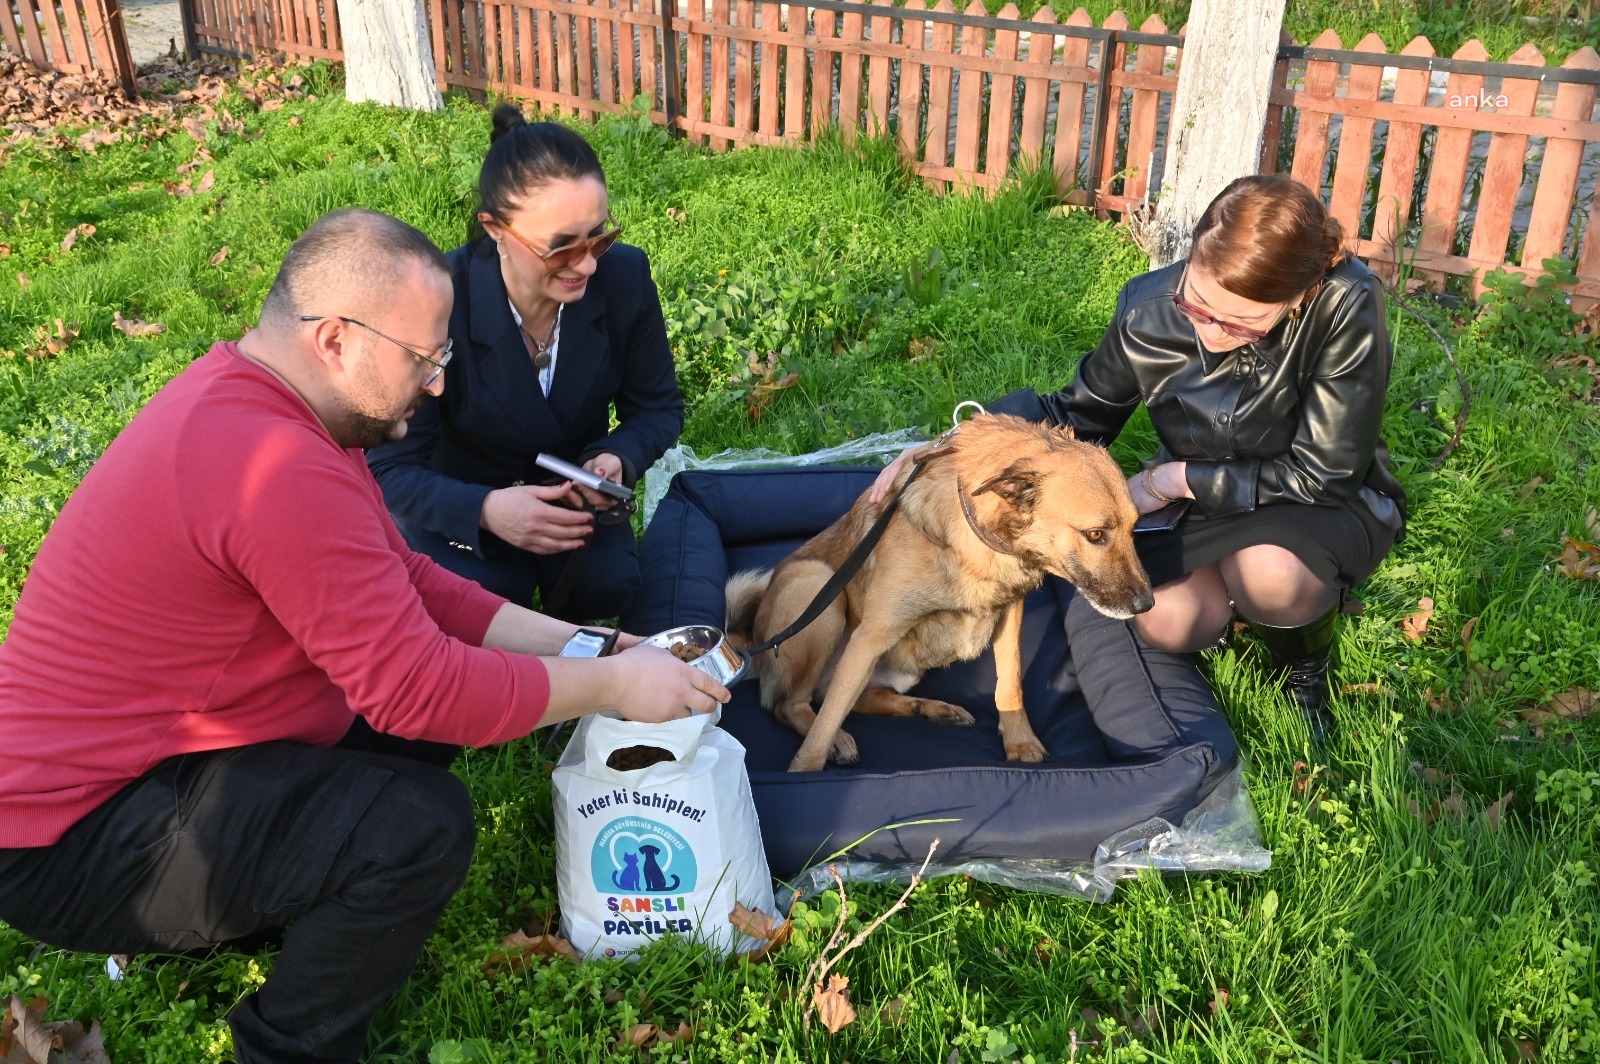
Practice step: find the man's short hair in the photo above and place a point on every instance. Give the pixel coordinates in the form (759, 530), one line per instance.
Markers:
(346, 262)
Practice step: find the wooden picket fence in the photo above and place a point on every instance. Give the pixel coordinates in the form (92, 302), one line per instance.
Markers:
(72, 36)
(305, 29)
(971, 97)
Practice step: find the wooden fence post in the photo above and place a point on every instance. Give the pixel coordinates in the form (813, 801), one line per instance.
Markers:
(673, 89)
(1558, 173)
(914, 37)
(1002, 103)
(969, 93)
(1355, 142)
(1401, 151)
(1143, 115)
(1502, 171)
(1447, 172)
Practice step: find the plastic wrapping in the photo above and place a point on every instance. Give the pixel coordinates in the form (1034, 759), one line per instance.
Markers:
(880, 448)
(1221, 834)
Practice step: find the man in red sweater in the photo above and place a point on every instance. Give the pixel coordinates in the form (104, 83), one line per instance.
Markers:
(230, 688)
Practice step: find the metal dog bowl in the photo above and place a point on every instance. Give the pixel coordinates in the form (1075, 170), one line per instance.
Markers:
(718, 659)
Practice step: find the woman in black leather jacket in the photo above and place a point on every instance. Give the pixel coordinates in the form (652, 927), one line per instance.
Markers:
(1263, 361)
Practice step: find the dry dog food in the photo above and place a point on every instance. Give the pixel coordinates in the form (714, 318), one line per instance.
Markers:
(633, 758)
(685, 651)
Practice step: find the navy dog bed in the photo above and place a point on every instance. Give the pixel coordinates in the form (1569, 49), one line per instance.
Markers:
(1132, 733)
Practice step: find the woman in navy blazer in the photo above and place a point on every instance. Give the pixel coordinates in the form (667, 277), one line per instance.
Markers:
(554, 323)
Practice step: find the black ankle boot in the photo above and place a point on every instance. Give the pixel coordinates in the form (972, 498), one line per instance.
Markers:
(1304, 653)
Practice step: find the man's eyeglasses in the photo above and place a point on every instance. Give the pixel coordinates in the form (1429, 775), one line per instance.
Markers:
(567, 255)
(438, 363)
(1200, 317)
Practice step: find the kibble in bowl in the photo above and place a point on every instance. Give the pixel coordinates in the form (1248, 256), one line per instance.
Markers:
(706, 649)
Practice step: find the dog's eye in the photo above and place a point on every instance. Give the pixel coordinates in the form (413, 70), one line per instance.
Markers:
(1095, 535)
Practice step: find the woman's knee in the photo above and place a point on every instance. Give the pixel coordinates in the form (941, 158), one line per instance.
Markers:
(1270, 582)
(1183, 632)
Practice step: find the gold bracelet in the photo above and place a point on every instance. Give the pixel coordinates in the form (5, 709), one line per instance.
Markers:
(1150, 486)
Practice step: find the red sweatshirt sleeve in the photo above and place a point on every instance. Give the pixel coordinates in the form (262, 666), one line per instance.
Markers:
(300, 520)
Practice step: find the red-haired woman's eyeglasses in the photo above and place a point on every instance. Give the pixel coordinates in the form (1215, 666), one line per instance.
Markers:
(1200, 317)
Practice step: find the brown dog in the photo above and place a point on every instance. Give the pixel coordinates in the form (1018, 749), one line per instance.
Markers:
(1000, 504)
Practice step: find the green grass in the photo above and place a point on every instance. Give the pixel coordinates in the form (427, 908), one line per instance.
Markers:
(1375, 935)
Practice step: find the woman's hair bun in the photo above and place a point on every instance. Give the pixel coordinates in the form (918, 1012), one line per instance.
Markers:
(506, 118)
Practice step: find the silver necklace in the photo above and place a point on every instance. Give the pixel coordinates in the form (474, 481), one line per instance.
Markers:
(541, 351)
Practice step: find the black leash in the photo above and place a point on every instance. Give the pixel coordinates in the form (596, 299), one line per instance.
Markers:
(852, 564)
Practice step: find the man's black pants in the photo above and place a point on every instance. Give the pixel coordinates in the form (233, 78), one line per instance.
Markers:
(359, 850)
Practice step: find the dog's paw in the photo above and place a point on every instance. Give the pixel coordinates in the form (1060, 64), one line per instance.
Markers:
(943, 713)
(1032, 750)
(843, 751)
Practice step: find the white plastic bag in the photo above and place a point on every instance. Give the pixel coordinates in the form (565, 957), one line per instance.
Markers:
(662, 850)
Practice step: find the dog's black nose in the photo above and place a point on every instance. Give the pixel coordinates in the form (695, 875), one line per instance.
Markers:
(1145, 602)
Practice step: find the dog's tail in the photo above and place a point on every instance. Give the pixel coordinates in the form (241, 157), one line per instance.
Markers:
(743, 595)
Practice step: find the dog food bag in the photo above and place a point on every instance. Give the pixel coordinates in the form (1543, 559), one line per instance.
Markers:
(656, 835)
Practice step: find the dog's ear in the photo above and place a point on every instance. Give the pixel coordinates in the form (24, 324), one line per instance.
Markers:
(1018, 485)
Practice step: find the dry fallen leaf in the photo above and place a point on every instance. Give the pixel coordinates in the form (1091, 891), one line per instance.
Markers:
(1578, 559)
(50, 343)
(295, 120)
(35, 1041)
(1591, 523)
(74, 233)
(758, 924)
(1495, 812)
(92, 140)
(5, 251)
(518, 950)
(216, 260)
(1575, 704)
(196, 128)
(1518, 1050)
(1414, 626)
(22, 281)
(893, 1013)
(134, 328)
(1363, 689)
(178, 188)
(681, 1037)
(833, 1004)
(1525, 492)
(207, 181)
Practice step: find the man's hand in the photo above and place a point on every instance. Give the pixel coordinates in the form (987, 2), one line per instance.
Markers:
(531, 517)
(645, 684)
(605, 465)
(656, 686)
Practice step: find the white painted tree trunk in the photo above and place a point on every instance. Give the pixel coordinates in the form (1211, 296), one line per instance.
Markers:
(1214, 132)
(387, 56)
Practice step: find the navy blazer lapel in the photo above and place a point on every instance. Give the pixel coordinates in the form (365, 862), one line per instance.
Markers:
(581, 357)
(501, 360)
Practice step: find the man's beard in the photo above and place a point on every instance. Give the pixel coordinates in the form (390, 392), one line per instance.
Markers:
(355, 428)
(366, 432)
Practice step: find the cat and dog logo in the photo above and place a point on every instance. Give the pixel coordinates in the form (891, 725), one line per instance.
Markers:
(643, 857)
(647, 871)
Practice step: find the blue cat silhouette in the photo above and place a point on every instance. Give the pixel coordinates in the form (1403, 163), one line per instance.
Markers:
(629, 873)
(653, 879)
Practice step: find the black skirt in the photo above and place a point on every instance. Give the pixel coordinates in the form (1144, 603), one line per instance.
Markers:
(1342, 545)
